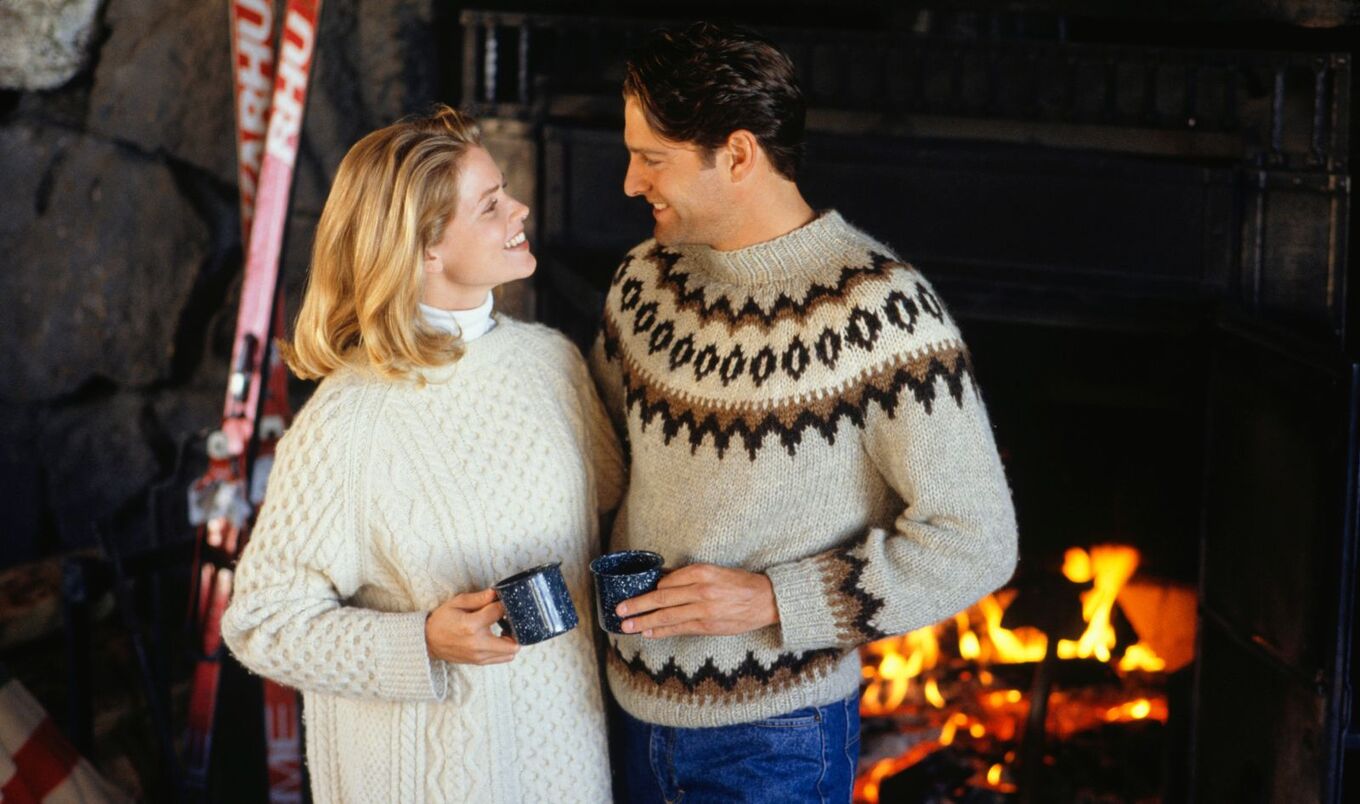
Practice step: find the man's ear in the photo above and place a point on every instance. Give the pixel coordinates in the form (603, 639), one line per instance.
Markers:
(743, 151)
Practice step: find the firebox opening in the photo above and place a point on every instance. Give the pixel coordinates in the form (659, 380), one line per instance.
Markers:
(1069, 683)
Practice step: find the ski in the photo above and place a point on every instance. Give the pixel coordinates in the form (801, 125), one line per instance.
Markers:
(269, 111)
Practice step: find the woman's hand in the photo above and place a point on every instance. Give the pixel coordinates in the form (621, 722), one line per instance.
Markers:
(459, 631)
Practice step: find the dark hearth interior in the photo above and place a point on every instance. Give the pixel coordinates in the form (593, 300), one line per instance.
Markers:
(1139, 215)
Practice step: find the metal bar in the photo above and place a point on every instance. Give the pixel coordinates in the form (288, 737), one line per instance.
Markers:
(1339, 135)
(523, 72)
(1318, 147)
(1012, 60)
(1339, 705)
(1191, 95)
(994, 52)
(1111, 110)
(1150, 87)
(1033, 78)
(470, 51)
(1230, 119)
(1258, 243)
(956, 62)
(1072, 65)
(1035, 736)
(489, 59)
(1277, 116)
(1259, 648)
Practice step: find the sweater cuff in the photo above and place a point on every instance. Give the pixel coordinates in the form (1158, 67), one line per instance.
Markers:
(805, 620)
(406, 671)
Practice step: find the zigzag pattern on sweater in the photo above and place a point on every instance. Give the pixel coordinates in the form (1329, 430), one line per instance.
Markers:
(751, 423)
(722, 309)
(853, 606)
(748, 681)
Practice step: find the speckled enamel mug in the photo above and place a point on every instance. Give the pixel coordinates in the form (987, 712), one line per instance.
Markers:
(537, 604)
(620, 576)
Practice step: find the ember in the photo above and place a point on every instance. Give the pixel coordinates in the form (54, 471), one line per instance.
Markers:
(970, 685)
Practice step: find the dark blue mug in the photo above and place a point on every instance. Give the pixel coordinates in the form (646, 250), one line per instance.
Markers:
(537, 604)
(620, 576)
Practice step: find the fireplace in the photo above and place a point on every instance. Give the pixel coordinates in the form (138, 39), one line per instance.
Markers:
(1072, 682)
(972, 706)
(1143, 231)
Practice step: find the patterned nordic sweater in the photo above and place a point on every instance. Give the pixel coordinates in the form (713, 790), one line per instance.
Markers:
(386, 499)
(805, 408)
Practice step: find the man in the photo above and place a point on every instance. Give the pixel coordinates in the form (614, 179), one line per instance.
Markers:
(809, 450)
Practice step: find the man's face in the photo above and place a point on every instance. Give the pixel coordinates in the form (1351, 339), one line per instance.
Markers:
(686, 189)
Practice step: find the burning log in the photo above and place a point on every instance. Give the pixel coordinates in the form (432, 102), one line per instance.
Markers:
(979, 704)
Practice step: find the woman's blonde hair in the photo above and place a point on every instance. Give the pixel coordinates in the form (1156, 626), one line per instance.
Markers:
(394, 193)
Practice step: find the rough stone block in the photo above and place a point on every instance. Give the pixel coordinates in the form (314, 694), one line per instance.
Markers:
(164, 82)
(98, 273)
(44, 43)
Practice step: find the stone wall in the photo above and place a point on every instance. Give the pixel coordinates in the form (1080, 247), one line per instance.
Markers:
(119, 232)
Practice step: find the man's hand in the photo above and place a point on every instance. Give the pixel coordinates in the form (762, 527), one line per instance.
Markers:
(459, 631)
(702, 599)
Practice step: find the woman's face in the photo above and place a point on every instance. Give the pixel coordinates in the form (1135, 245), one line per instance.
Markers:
(483, 244)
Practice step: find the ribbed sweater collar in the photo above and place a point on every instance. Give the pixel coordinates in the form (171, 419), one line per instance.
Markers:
(799, 253)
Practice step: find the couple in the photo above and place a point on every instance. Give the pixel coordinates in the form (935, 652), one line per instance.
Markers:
(806, 448)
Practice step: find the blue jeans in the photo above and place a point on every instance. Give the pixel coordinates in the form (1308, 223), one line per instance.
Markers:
(806, 755)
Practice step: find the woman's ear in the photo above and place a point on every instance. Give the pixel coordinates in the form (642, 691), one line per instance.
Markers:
(431, 262)
(743, 150)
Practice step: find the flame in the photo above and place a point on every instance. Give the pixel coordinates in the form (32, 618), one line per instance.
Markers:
(1108, 568)
(1139, 656)
(969, 647)
(867, 785)
(902, 659)
(1077, 565)
(951, 727)
(1022, 644)
(1139, 709)
(907, 673)
(933, 694)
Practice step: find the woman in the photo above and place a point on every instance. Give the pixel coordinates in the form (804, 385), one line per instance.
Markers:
(445, 448)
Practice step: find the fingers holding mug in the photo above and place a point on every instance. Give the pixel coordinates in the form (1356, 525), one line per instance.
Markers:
(459, 630)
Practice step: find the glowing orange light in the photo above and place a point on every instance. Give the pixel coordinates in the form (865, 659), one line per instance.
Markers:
(933, 694)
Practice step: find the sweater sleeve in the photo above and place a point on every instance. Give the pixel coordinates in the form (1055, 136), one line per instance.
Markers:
(602, 442)
(953, 542)
(563, 363)
(608, 375)
(288, 619)
(605, 356)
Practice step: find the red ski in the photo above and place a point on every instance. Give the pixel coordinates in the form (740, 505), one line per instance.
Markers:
(224, 501)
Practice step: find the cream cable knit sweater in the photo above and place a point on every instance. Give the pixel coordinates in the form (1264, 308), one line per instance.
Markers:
(804, 408)
(386, 499)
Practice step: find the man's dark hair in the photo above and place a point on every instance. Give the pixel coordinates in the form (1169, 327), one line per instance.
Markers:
(701, 83)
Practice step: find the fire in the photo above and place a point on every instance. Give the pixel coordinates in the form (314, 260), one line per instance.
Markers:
(938, 676)
(1108, 568)
(1023, 644)
(1141, 657)
(933, 694)
(900, 660)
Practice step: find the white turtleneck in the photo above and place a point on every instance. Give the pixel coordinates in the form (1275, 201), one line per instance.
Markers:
(466, 324)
